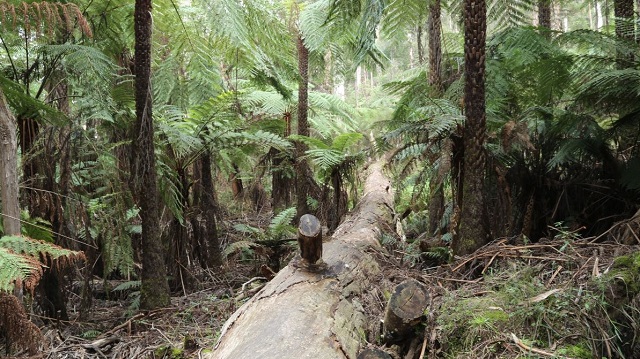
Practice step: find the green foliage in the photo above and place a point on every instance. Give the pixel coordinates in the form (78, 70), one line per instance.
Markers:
(133, 287)
(15, 267)
(278, 229)
(36, 228)
(22, 259)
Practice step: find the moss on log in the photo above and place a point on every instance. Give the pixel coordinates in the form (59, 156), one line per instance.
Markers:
(301, 314)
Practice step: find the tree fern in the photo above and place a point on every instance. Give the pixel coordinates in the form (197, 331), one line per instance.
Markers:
(18, 268)
(22, 258)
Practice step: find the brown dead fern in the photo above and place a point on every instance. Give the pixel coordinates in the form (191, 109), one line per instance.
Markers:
(15, 326)
(43, 18)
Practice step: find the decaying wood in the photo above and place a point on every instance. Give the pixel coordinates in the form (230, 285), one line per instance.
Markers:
(302, 314)
(405, 309)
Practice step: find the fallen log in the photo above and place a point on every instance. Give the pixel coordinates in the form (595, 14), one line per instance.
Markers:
(316, 314)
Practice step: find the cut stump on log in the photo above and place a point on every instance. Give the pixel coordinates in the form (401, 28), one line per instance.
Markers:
(301, 314)
(373, 354)
(310, 242)
(405, 310)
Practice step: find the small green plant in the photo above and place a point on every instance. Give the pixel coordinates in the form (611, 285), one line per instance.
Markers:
(134, 295)
(279, 229)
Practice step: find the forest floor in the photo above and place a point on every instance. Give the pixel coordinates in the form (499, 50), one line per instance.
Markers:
(507, 300)
(562, 297)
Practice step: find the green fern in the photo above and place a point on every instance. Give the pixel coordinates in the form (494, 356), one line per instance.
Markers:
(22, 258)
(17, 268)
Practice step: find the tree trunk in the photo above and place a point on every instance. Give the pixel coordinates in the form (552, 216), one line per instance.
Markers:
(473, 231)
(419, 44)
(300, 314)
(154, 291)
(211, 243)
(544, 16)
(436, 187)
(303, 173)
(623, 10)
(9, 170)
(434, 24)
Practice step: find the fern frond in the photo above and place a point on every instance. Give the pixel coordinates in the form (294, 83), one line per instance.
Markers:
(309, 141)
(18, 268)
(244, 228)
(128, 285)
(510, 13)
(344, 141)
(237, 246)
(325, 158)
(49, 253)
(283, 218)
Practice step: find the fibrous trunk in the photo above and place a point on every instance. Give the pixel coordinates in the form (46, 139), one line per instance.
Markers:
(154, 291)
(473, 231)
(303, 173)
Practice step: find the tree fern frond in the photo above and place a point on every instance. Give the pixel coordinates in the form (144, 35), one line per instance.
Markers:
(403, 14)
(314, 25)
(267, 102)
(325, 158)
(612, 90)
(18, 268)
(269, 139)
(310, 141)
(280, 225)
(510, 13)
(29, 107)
(237, 246)
(128, 285)
(344, 141)
(49, 253)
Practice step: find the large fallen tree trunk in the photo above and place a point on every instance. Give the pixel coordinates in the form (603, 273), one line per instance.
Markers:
(302, 314)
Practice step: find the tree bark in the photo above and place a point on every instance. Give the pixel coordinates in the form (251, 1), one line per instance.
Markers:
(544, 16)
(9, 170)
(436, 187)
(473, 231)
(154, 291)
(300, 314)
(303, 173)
(434, 24)
(623, 12)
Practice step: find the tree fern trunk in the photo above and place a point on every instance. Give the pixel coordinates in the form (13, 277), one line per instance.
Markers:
(544, 16)
(210, 243)
(303, 172)
(434, 25)
(154, 291)
(9, 170)
(436, 188)
(623, 10)
(473, 232)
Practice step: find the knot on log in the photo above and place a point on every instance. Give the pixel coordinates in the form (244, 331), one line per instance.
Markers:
(310, 241)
